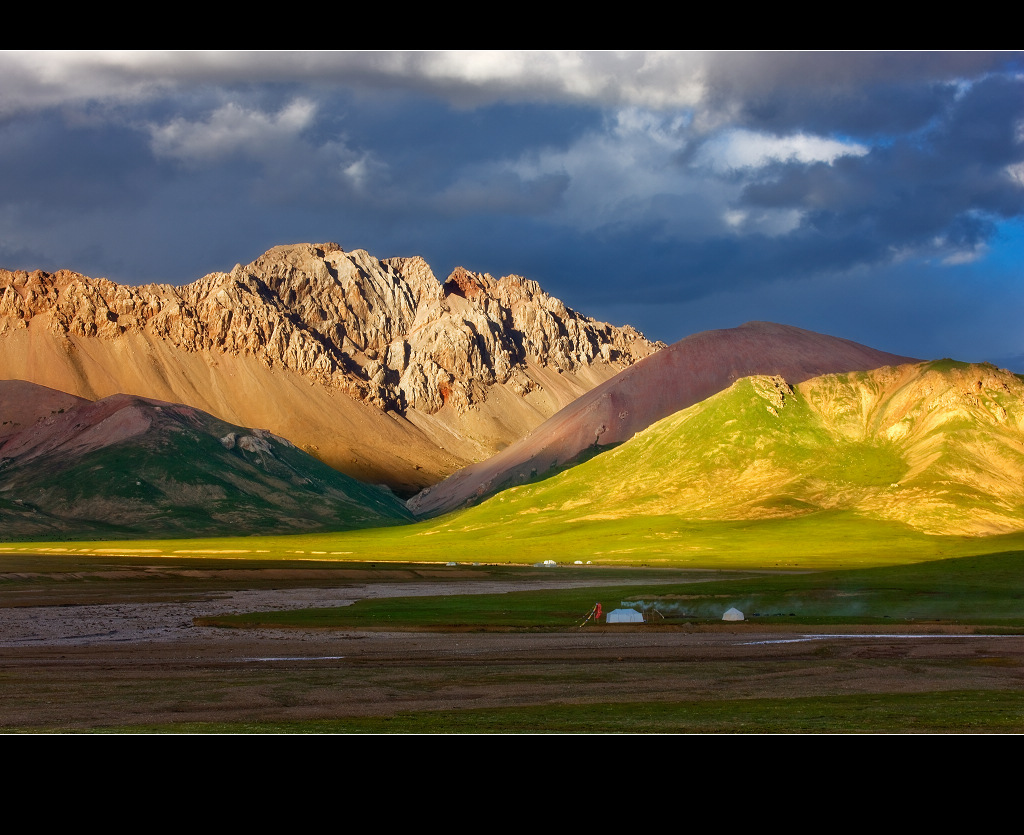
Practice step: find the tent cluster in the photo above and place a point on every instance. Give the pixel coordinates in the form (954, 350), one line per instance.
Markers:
(633, 616)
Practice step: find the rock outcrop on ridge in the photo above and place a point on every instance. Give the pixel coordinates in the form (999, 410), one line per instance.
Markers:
(675, 378)
(375, 367)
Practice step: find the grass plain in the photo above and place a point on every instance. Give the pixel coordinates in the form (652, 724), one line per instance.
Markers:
(934, 646)
(985, 590)
(488, 534)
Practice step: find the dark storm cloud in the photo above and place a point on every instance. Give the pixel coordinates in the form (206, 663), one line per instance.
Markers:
(875, 110)
(941, 189)
(855, 92)
(648, 181)
(53, 162)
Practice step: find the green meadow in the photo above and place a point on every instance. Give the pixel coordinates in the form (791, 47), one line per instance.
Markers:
(815, 541)
(981, 590)
(979, 593)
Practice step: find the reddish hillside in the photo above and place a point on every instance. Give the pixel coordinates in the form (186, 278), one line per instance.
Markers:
(675, 378)
(23, 403)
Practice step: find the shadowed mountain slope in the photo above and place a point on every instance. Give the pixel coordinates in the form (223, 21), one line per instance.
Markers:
(131, 466)
(676, 377)
(374, 367)
(937, 446)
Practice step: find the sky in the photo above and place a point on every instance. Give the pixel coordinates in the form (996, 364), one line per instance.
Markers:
(876, 196)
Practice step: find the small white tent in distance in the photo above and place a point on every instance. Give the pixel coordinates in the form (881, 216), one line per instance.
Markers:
(624, 616)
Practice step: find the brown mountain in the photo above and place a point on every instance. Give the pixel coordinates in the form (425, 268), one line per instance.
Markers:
(675, 378)
(131, 466)
(372, 366)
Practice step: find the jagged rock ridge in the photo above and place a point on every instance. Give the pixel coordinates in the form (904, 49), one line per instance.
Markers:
(463, 368)
(386, 332)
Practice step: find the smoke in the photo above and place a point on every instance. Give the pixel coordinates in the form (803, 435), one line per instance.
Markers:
(818, 604)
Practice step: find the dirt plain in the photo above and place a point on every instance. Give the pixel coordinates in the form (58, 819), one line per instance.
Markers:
(127, 656)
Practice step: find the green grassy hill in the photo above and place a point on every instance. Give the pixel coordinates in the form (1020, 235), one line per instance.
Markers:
(936, 446)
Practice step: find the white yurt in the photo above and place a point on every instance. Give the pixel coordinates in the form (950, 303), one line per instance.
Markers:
(624, 616)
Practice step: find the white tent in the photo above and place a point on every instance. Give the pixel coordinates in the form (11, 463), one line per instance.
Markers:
(733, 614)
(624, 616)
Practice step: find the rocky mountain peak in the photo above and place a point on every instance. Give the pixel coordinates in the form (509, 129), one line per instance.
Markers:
(386, 332)
(469, 286)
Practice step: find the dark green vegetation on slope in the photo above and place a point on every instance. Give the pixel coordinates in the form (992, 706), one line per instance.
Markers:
(127, 466)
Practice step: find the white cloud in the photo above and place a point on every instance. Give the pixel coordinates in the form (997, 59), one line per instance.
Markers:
(630, 78)
(232, 130)
(709, 82)
(292, 165)
(626, 172)
(958, 253)
(739, 149)
(32, 80)
(634, 171)
(770, 222)
(735, 218)
(39, 79)
(359, 171)
(965, 256)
